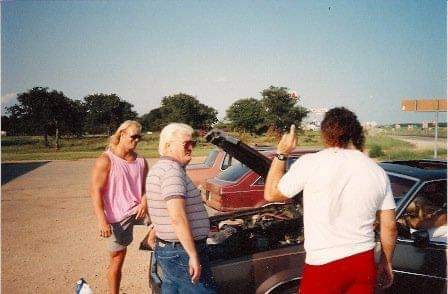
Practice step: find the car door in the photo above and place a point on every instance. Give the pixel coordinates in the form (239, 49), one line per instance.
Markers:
(419, 260)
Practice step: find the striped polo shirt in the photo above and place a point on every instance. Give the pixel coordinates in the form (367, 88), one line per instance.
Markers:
(166, 180)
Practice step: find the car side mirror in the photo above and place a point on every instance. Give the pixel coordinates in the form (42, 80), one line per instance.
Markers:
(420, 238)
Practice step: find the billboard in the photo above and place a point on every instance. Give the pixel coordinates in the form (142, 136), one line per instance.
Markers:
(424, 105)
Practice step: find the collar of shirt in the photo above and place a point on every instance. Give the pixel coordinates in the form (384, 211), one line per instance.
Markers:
(172, 159)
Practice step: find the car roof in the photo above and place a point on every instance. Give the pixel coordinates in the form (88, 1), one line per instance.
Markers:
(424, 170)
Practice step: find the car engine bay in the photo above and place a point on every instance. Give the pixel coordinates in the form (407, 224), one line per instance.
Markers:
(244, 233)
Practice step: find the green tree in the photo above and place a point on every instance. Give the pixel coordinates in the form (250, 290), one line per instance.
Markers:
(181, 108)
(281, 109)
(42, 112)
(105, 112)
(153, 120)
(248, 115)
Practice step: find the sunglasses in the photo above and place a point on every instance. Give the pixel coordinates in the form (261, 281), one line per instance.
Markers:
(190, 143)
(135, 137)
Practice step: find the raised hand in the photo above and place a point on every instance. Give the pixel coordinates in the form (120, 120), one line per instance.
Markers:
(288, 142)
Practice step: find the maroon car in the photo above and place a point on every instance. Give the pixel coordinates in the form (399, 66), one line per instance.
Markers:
(216, 162)
(239, 187)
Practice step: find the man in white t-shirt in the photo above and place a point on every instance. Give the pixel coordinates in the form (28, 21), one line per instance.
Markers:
(344, 192)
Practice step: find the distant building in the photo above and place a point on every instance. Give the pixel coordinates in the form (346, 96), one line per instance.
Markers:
(369, 125)
(397, 126)
(310, 127)
(314, 117)
(410, 127)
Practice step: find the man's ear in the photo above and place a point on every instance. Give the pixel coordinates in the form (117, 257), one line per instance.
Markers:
(167, 146)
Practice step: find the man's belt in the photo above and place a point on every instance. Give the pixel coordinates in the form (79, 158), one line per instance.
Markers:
(176, 243)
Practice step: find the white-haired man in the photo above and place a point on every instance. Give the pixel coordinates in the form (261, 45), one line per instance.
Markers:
(180, 220)
(117, 190)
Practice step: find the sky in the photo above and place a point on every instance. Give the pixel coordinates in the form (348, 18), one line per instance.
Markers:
(365, 55)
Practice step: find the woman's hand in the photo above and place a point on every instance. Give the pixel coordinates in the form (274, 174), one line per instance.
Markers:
(105, 229)
(142, 209)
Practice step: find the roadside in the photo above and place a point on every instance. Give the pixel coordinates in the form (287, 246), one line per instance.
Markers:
(423, 142)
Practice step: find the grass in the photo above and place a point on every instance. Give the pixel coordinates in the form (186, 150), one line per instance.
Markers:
(32, 147)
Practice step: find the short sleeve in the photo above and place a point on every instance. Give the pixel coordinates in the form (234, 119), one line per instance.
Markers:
(173, 184)
(388, 200)
(294, 180)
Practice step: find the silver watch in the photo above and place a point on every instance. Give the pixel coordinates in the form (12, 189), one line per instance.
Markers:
(281, 157)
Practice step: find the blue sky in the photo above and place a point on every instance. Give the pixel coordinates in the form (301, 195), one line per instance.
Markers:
(365, 55)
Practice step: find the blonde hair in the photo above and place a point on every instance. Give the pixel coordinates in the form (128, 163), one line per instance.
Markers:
(172, 132)
(115, 138)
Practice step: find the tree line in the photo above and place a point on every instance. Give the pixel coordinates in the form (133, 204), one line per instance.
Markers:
(44, 112)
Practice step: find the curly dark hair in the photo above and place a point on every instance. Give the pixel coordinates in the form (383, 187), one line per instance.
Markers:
(341, 127)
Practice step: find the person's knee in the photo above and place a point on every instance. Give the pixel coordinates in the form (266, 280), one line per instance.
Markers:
(117, 259)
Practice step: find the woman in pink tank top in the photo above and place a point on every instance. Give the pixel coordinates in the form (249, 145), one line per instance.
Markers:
(118, 194)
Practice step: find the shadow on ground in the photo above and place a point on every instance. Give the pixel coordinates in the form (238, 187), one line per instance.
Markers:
(10, 171)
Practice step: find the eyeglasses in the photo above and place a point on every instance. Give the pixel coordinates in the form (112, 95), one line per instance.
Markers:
(135, 136)
(189, 143)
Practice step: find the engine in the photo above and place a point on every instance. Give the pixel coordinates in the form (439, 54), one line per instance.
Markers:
(255, 231)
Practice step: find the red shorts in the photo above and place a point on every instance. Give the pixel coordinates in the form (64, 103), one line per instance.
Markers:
(352, 274)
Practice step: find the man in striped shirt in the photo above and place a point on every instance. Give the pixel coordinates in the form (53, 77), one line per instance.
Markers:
(180, 220)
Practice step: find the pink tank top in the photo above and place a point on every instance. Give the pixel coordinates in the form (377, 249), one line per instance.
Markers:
(123, 192)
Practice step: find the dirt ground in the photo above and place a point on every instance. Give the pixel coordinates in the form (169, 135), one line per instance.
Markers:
(49, 232)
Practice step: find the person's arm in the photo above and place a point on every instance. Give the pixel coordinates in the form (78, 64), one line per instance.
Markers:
(388, 236)
(152, 236)
(142, 209)
(277, 169)
(99, 180)
(181, 225)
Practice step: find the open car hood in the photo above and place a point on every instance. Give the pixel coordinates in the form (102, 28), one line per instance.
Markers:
(247, 155)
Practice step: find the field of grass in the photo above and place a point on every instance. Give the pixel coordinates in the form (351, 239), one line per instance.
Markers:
(32, 148)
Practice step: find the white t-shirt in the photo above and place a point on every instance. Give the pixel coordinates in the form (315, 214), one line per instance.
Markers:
(342, 191)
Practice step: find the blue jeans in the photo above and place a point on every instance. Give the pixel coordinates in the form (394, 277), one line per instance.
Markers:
(173, 260)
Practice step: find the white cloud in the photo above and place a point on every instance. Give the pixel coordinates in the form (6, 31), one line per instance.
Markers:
(7, 98)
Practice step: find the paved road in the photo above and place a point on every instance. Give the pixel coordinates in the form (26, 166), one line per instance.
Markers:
(423, 142)
(49, 232)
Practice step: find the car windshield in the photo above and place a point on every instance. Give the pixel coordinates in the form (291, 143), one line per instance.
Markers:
(233, 173)
(210, 160)
(400, 186)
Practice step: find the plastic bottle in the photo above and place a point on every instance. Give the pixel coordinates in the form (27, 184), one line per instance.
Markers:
(82, 287)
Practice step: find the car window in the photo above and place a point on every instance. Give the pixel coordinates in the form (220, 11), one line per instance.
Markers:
(228, 161)
(427, 211)
(210, 160)
(400, 186)
(233, 173)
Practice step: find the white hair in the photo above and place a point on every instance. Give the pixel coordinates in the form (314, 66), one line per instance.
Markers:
(172, 132)
(115, 138)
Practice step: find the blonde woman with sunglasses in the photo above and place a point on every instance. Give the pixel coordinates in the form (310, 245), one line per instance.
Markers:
(118, 194)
